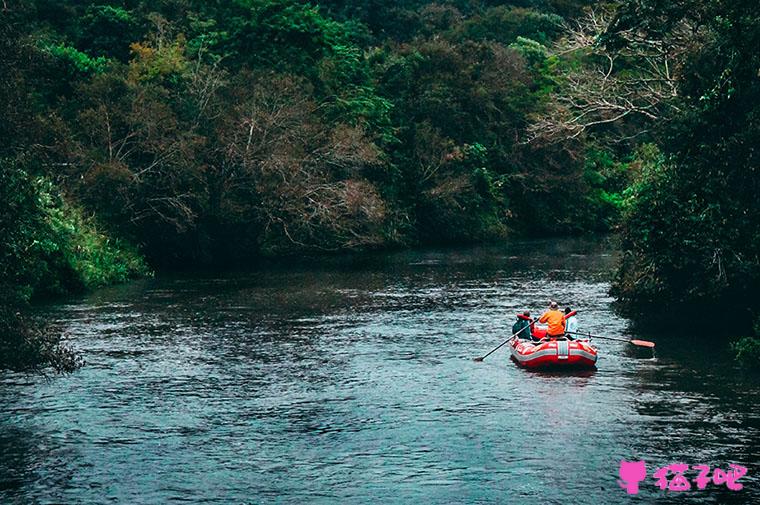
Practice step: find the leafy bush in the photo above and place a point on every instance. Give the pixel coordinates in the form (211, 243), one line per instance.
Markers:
(507, 24)
(50, 247)
(79, 61)
(96, 259)
(108, 30)
(534, 52)
(747, 351)
(463, 201)
(607, 178)
(24, 346)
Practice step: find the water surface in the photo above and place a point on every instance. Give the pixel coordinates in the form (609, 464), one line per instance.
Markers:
(351, 380)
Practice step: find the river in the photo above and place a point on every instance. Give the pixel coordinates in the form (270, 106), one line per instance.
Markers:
(351, 380)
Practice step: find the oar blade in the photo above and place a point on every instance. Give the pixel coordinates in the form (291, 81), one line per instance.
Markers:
(643, 343)
(477, 359)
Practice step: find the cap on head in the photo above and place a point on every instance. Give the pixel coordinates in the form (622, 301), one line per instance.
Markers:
(526, 313)
(553, 305)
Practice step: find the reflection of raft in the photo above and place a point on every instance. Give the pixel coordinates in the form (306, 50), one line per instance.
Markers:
(553, 354)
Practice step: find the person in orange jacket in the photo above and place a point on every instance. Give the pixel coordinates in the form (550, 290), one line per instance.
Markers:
(555, 319)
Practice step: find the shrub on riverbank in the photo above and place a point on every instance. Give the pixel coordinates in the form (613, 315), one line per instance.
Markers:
(747, 351)
(49, 247)
(691, 239)
(24, 346)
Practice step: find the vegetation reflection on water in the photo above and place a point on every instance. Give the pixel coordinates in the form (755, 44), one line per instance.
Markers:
(352, 380)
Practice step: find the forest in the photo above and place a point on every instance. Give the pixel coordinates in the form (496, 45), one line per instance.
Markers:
(140, 137)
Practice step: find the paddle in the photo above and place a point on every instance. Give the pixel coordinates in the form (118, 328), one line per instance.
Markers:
(640, 343)
(507, 340)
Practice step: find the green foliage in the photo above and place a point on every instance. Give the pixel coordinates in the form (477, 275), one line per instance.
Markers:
(214, 130)
(50, 248)
(165, 63)
(690, 233)
(24, 346)
(79, 61)
(747, 352)
(462, 202)
(107, 31)
(281, 34)
(507, 24)
(345, 77)
(96, 259)
(534, 52)
(607, 178)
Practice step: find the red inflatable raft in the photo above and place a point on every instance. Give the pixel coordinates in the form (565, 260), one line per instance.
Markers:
(553, 354)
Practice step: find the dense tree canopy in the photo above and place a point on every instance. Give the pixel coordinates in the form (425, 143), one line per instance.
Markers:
(204, 131)
(193, 132)
(692, 233)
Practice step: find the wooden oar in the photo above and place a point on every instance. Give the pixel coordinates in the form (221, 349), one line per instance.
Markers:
(507, 340)
(640, 343)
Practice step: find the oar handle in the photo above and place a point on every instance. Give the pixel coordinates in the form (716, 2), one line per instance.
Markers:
(507, 340)
(641, 343)
(596, 336)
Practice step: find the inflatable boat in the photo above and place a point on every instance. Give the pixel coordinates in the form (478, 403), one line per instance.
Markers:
(553, 354)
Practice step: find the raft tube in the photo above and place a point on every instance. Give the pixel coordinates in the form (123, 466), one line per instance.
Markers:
(554, 354)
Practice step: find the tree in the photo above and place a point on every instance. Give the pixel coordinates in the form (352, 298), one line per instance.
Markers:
(690, 233)
(306, 180)
(609, 77)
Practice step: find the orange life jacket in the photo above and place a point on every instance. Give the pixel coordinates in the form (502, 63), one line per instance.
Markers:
(556, 321)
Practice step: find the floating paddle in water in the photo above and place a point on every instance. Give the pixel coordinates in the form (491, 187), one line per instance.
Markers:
(507, 340)
(640, 343)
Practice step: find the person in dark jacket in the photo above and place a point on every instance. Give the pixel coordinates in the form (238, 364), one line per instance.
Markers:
(523, 320)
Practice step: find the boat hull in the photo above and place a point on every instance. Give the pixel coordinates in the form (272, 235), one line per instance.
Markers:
(554, 354)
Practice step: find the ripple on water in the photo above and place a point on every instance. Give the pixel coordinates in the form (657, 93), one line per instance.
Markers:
(354, 382)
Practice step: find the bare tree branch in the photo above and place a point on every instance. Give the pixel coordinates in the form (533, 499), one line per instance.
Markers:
(611, 84)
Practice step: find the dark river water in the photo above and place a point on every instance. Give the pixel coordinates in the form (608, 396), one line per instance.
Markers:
(351, 380)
